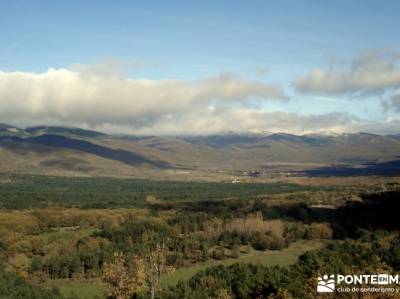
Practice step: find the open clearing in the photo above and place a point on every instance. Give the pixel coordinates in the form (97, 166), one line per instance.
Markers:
(284, 258)
(90, 289)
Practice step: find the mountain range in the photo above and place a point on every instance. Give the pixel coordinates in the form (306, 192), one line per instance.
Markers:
(68, 151)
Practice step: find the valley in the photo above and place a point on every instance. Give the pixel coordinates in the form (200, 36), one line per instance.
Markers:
(85, 214)
(67, 151)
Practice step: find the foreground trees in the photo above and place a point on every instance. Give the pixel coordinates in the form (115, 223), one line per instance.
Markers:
(13, 286)
(156, 264)
(125, 277)
(377, 252)
(79, 244)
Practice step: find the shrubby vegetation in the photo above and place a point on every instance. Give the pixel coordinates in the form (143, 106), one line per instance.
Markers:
(13, 286)
(146, 229)
(73, 243)
(372, 253)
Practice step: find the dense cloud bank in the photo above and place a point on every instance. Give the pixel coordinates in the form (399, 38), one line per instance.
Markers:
(96, 97)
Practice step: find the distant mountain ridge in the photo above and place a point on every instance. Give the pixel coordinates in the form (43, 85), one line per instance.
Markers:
(75, 131)
(76, 151)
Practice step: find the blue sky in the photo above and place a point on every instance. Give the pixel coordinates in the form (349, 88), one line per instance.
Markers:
(275, 42)
(193, 38)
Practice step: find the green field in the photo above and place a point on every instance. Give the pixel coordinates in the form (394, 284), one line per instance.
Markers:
(94, 289)
(283, 258)
(82, 289)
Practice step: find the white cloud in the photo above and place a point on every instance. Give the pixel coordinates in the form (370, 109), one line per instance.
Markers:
(243, 120)
(66, 95)
(388, 126)
(100, 98)
(373, 72)
(222, 120)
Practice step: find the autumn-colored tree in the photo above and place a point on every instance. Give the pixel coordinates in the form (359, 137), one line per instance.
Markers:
(223, 294)
(143, 273)
(155, 265)
(123, 280)
(18, 263)
(319, 231)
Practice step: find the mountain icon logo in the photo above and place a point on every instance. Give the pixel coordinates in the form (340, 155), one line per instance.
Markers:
(326, 284)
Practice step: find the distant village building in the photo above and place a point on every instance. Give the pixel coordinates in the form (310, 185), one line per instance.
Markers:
(252, 173)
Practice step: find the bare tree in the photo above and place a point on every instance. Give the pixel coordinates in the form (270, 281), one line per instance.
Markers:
(143, 273)
(155, 266)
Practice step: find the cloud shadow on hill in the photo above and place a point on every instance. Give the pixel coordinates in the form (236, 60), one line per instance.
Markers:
(58, 141)
(388, 168)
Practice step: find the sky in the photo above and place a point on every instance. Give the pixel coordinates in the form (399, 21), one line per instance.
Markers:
(202, 67)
